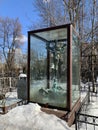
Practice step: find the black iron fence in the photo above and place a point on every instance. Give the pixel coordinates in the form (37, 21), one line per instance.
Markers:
(86, 122)
(85, 103)
(89, 87)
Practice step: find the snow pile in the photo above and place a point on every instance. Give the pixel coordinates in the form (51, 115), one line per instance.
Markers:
(22, 75)
(30, 117)
(11, 95)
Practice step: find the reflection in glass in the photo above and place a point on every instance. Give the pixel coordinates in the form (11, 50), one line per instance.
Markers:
(48, 70)
(75, 68)
(52, 82)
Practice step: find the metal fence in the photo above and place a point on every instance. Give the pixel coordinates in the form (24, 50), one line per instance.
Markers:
(85, 103)
(7, 84)
(84, 121)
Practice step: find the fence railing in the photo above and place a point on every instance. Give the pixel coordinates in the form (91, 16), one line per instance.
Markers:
(84, 121)
(87, 120)
(84, 103)
(7, 83)
(89, 87)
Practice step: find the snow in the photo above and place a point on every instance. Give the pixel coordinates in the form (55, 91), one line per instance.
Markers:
(92, 109)
(11, 95)
(22, 75)
(30, 117)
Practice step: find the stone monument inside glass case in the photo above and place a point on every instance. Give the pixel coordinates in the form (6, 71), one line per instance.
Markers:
(54, 67)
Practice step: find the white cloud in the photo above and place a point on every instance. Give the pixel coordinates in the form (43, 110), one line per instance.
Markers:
(22, 39)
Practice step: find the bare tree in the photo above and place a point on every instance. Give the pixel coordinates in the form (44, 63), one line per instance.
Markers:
(77, 12)
(81, 13)
(51, 12)
(10, 34)
(73, 8)
(91, 21)
(90, 36)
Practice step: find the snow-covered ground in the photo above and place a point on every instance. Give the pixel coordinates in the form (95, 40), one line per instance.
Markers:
(92, 109)
(30, 117)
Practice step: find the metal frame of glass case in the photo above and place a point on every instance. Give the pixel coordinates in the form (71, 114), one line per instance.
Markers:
(53, 58)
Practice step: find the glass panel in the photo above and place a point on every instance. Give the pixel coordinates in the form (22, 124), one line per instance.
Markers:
(54, 34)
(38, 78)
(58, 73)
(75, 67)
(48, 70)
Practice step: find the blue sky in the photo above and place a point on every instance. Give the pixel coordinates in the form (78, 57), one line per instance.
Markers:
(23, 9)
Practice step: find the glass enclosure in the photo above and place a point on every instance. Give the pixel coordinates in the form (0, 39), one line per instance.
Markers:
(75, 67)
(48, 66)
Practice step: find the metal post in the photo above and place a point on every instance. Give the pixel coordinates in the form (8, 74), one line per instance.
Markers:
(10, 83)
(76, 121)
(89, 93)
